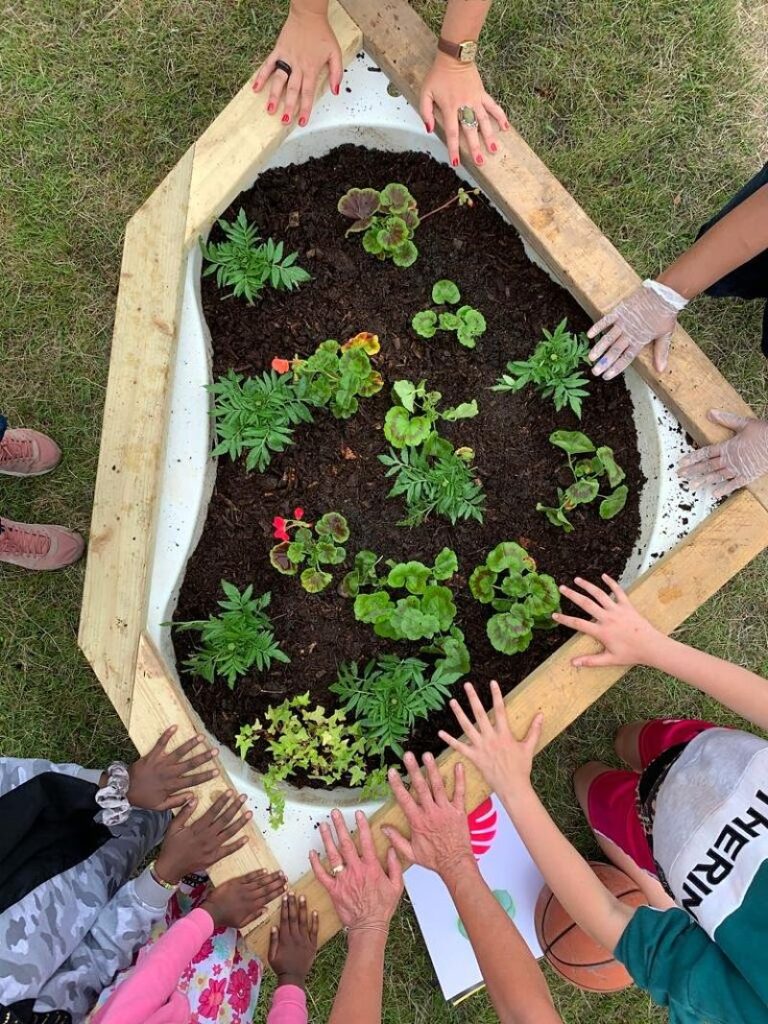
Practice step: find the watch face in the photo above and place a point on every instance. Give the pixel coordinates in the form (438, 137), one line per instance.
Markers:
(468, 52)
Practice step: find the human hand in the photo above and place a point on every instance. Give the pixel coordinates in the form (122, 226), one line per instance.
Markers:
(449, 85)
(439, 828)
(306, 44)
(239, 901)
(731, 464)
(627, 637)
(159, 780)
(293, 947)
(364, 895)
(504, 762)
(196, 847)
(644, 316)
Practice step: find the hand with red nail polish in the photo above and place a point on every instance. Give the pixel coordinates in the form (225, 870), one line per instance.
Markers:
(308, 46)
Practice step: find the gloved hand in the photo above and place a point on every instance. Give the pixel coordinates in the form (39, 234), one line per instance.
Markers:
(731, 464)
(648, 314)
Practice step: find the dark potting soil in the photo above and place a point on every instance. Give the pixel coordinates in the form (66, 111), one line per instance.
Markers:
(333, 464)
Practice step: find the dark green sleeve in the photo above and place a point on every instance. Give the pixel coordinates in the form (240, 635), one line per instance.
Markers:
(674, 959)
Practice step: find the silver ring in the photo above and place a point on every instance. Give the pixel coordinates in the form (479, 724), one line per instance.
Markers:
(468, 117)
(337, 870)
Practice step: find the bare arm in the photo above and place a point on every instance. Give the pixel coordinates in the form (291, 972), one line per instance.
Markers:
(629, 639)
(464, 19)
(359, 996)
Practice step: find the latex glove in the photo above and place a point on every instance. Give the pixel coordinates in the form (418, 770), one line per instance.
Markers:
(731, 464)
(307, 44)
(450, 85)
(649, 314)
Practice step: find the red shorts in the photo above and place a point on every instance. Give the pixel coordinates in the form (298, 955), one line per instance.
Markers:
(611, 800)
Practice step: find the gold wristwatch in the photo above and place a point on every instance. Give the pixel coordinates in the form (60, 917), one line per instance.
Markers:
(465, 52)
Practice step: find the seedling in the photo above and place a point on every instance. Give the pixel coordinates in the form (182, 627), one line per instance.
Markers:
(522, 598)
(336, 375)
(412, 418)
(324, 747)
(553, 369)
(310, 546)
(388, 218)
(256, 415)
(434, 478)
(362, 575)
(247, 265)
(237, 639)
(468, 323)
(587, 475)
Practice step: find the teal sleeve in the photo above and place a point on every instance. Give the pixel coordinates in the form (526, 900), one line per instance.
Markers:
(674, 959)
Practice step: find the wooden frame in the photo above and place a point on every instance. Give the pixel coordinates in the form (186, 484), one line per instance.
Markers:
(209, 176)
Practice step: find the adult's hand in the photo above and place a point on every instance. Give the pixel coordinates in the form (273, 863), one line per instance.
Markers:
(161, 780)
(239, 901)
(306, 44)
(439, 828)
(293, 947)
(504, 761)
(648, 315)
(450, 85)
(196, 846)
(364, 895)
(731, 464)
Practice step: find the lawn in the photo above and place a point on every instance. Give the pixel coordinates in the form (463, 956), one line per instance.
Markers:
(650, 112)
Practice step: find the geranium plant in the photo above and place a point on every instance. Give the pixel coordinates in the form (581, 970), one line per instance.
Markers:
(388, 217)
(309, 545)
(468, 323)
(553, 369)
(588, 475)
(522, 598)
(412, 418)
(337, 375)
(246, 264)
(236, 640)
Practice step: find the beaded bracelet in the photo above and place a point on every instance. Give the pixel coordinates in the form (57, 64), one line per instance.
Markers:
(161, 881)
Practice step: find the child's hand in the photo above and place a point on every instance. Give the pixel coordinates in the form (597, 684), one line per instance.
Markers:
(196, 847)
(162, 779)
(504, 762)
(237, 902)
(627, 638)
(292, 948)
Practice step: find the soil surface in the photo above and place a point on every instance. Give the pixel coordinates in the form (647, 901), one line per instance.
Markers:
(333, 464)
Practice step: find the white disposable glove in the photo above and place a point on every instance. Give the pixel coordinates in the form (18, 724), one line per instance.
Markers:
(731, 464)
(649, 314)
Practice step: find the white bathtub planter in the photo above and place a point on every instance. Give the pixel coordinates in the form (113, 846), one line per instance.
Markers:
(155, 472)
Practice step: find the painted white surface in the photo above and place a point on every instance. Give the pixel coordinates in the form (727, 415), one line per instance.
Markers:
(364, 114)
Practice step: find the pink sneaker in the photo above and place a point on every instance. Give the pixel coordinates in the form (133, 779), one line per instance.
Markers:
(38, 547)
(27, 453)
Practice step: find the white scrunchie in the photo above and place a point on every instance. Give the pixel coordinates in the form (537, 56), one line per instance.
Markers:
(113, 798)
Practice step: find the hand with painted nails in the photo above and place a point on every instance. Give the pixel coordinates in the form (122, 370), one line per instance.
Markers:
(239, 901)
(627, 638)
(450, 85)
(293, 946)
(195, 846)
(305, 47)
(162, 779)
(439, 829)
(648, 315)
(363, 893)
(731, 464)
(504, 761)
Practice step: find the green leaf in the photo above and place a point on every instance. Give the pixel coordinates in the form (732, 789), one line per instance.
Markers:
(472, 320)
(406, 391)
(543, 597)
(464, 411)
(481, 584)
(614, 503)
(279, 559)
(371, 243)
(405, 255)
(396, 198)
(333, 524)
(373, 607)
(466, 337)
(393, 235)
(446, 565)
(511, 556)
(315, 580)
(510, 632)
(582, 492)
(400, 429)
(445, 292)
(448, 321)
(571, 441)
(359, 204)
(556, 516)
(413, 576)
(424, 323)
(615, 473)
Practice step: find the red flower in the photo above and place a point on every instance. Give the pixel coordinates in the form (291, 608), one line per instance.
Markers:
(298, 513)
(254, 970)
(211, 999)
(281, 365)
(239, 990)
(280, 531)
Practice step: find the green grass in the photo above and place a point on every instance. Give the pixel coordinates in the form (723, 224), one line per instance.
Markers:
(648, 110)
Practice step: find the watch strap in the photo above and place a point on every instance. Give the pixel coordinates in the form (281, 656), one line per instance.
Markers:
(452, 49)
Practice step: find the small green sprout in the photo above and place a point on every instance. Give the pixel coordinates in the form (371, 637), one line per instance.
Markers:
(587, 476)
(553, 369)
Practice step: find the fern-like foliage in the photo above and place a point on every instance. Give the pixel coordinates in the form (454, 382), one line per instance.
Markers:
(256, 415)
(435, 478)
(387, 697)
(246, 264)
(237, 639)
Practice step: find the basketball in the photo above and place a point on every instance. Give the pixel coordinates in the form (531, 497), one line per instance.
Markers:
(570, 951)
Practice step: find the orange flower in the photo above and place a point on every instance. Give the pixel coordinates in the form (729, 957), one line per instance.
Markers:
(281, 365)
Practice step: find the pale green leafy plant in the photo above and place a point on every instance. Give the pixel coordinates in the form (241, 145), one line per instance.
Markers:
(388, 217)
(412, 418)
(337, 375)
(468, 323)
(588, 474)
(553, 369)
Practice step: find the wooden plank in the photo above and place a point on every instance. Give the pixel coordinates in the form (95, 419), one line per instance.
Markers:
(158, 703)
(133, 435)
(243, 137)
(556, 227)
(667, 594)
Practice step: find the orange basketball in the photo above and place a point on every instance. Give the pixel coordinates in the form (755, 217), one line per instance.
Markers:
(570, 951)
